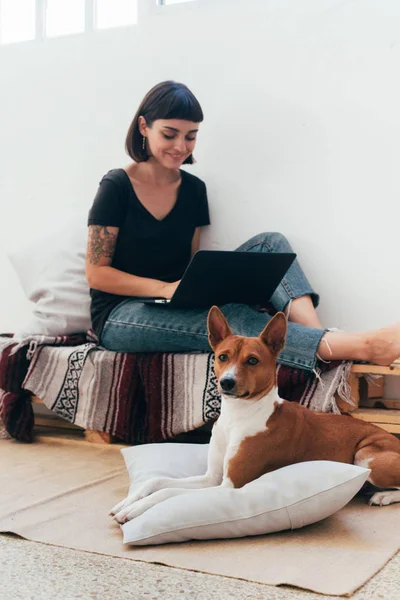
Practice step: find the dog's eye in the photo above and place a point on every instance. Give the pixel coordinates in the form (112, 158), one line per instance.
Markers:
(253, 360)
(223, 357)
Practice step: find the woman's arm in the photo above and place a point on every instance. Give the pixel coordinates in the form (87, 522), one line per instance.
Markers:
(101, 276)
(195, 241)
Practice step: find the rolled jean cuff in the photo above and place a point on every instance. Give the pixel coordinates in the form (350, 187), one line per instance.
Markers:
(301, 347)
(283, 295)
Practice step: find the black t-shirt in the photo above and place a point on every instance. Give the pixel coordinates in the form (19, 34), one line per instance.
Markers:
(146, 246)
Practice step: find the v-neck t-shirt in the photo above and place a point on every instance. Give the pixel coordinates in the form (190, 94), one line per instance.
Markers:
(146, 246)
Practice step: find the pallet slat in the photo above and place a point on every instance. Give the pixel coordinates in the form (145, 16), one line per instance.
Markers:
(378, 415)
(55, 422)
(381, 403)
(390, 427)
(394, 369)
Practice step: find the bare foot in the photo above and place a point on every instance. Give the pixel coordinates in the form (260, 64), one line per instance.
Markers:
(383, 345)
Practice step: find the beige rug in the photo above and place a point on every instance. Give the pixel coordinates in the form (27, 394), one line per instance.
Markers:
(59, 491)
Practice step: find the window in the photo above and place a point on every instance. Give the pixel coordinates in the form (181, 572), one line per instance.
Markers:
(63, 18)
(23, 20)
(115, 13)
(167, 2)
(17, 20)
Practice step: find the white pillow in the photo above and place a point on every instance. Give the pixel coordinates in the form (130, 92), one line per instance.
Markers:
(287, 498)
(51, 271)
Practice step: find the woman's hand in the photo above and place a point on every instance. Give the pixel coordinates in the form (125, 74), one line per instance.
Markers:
(168, 289)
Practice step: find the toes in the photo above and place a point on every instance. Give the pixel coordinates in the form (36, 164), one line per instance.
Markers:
(375, 500)
(125, 519)
(132, 510)
(118, 507)
(381, 499)
(122, 516)
(135, 511)
(128, 501)
(123, 508)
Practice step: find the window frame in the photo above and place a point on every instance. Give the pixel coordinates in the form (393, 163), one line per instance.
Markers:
(40, 23)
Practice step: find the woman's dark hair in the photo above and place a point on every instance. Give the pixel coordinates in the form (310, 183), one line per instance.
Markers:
(166, 100)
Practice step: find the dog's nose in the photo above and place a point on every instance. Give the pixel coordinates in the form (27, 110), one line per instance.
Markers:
(227, 384)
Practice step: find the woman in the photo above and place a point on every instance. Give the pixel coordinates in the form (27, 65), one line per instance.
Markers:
(145, 225)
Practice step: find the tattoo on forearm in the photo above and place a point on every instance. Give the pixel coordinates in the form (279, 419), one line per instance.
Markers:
(101, 243)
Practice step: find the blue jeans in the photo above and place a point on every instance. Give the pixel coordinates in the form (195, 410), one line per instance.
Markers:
(136, 327)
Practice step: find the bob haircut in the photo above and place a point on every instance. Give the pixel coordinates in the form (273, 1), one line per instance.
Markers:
(166, 100)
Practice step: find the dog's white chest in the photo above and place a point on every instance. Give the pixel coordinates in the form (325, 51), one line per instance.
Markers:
(241, 419)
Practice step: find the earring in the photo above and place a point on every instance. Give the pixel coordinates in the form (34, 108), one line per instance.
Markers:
(144, 143)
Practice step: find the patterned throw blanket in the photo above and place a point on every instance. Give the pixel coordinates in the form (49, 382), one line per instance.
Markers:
(138, 398)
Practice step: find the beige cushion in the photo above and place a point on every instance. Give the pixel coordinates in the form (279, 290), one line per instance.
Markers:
(51, 271)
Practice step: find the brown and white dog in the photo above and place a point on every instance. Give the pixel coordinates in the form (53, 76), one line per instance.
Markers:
(258, 432)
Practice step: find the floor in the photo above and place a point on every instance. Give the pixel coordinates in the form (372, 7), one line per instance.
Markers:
(33, 571)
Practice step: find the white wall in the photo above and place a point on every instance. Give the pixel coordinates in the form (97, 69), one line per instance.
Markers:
(301, 133)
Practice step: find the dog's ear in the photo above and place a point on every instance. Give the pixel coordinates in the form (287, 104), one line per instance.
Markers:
(274, 333)
(218, 328)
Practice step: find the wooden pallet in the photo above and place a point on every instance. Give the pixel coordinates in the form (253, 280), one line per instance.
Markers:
(51, 420)
(370, 402)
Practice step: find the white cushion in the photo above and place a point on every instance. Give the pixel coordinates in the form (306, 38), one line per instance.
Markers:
(287, 498)
(51, 271)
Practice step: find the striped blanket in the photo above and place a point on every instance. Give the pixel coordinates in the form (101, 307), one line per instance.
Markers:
(138, 398)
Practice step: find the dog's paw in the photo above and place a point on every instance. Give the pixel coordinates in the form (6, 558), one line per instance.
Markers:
(123, 515)
(385, 498)
(132, 510)
(118, 507)
(125, 504)
(140, 492)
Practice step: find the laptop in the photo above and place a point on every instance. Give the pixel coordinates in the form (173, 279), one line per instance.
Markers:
(223, 276)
